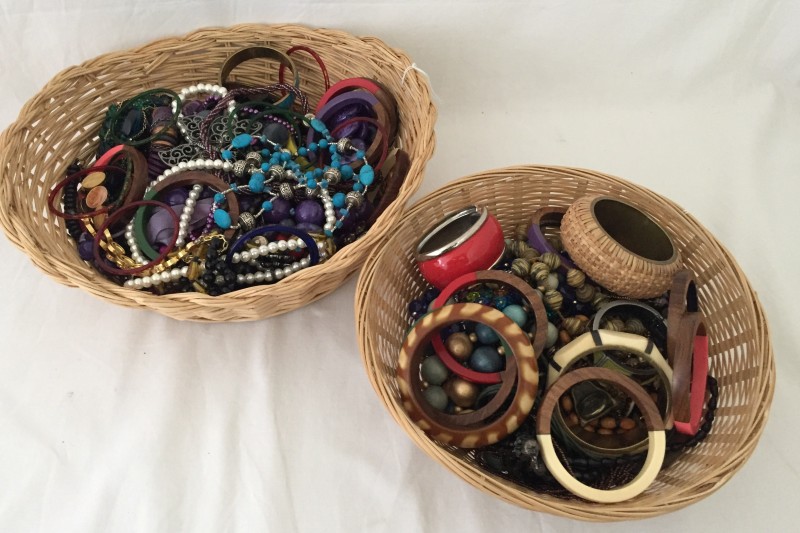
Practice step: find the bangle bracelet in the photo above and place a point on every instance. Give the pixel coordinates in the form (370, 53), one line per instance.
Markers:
(135, 188)
(491, 276)
(656, 438)
(130, 104)
(114, 249)
(311, 244)
(619, 246)
(651, 319)
(547, 216)
(255, 52)
(409, 381)
(71, 179)
(380, 137)
(313, 54)
(185, 179)
(689, 374)
(682, 300)
(371, 86)
(602, 340)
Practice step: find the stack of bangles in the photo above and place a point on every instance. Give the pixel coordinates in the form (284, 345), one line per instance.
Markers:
(221, 186)
(560, 384)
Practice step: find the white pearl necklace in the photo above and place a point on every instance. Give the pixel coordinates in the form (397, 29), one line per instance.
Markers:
(186, 217)
(330, 211)
(154, 280)
(194, 164)
(280, 273)
(200, 88)
(266, 249)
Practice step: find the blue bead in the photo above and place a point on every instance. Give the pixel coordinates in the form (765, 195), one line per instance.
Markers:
(275, 159)
(358, 187)
(313, 147)
(347, 171)
(265, 152)
(265, 167)
(257, 182)
(486, 335)
(328, 233)
(517, 314)
(323, 143)
(242, 140)
(318, 125)
(302, 151)
(311, 183)
(338, 224)
(227, 155)
(318, 172)
(309, 175)
(360, 154)
(267, 206)
(332, 148)
(366, 175)
(285, 156)
(486, 359)
(219, 198)
(324, 184)
(339, 199)
(222, 218)
(343, 212)
(234, 187)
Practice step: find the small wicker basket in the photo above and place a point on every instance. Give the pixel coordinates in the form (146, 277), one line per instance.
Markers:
(60, 124)
(741, 353)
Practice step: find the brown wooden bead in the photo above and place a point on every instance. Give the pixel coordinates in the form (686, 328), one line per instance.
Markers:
(575, 278)
(553, 261)
(553, 300)
(627, 424)
(97, 197)
(589, 428)
(564, 337)
(605, 431)
(585, 293)
(608, 422)
(566, 403)
(573, 420)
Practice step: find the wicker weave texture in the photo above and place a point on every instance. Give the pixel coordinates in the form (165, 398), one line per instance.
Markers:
(741, 355)
(59, 124)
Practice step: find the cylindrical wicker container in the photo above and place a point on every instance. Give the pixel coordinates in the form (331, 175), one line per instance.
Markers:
(59, 124)
(741, 354)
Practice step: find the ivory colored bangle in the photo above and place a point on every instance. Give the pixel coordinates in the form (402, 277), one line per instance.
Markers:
(689, 374)
(682, 300)
(656, 441)
(409, 380)
(603, 339)
(491, 276)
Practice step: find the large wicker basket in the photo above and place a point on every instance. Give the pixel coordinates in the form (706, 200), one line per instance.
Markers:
(741, 353)
(59, 124)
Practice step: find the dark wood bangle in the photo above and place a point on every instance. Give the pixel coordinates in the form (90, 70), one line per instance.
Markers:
(116, 215)
(689, 372)
(409, 380)
(503, 278)
(184, 179)
(682, 300)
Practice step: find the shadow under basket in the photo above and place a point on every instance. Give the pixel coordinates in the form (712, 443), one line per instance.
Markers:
(60, 124)
(741, 355)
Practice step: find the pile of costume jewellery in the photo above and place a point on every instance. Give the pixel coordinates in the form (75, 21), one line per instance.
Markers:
(220, 186)
(573, 357)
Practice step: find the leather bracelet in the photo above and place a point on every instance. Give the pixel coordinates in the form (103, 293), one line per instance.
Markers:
(116, 215)
(689, 374)
(656, 437)
(184, 179)
(682, 300)
(139, 177)
(409, 381)
(257, 52)
(311, 244)
(547, 216)
(652, 321)
(603, 339)
(490, 276)
(371, 86)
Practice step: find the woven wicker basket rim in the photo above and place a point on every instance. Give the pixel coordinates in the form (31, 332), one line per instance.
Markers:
(194, 306)
(702, 485)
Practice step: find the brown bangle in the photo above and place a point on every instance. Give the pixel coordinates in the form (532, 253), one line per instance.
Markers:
(256, 52)
(409, 381)
(184, 179)
(682, 300)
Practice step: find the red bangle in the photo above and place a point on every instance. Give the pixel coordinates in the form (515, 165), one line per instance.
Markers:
(690, 372)
(371, 86)
(492, 276)
(72, 177)
(113, 218)
(381, 133)
(313, 54)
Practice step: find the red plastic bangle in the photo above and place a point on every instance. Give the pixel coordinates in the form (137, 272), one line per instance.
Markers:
(490, 276)
(381, 132)
(72, 177)
(313, 54)
(113, 218)
(688, 396)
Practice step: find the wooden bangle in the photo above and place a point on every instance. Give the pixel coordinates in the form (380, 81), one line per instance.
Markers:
(409, 381)
(256, 52)
(656, 441)
(184, 179)
(603, 339)
(490, 276)
(620, 246)
(547, 216)
(117, 215)
(682, 300)
(689, 373)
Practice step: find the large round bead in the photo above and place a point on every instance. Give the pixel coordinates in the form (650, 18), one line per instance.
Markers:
(433, 370)
(486, 359)
(462, 392)
(459, 346)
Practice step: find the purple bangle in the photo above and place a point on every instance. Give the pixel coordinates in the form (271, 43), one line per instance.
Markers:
(335, 105)
(311, 244)
(547, 216)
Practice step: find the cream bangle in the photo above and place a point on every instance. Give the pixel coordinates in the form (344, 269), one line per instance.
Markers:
(656, 438)
(603, 339)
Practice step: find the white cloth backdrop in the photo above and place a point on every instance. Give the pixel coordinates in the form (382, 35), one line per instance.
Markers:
(120, 420)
